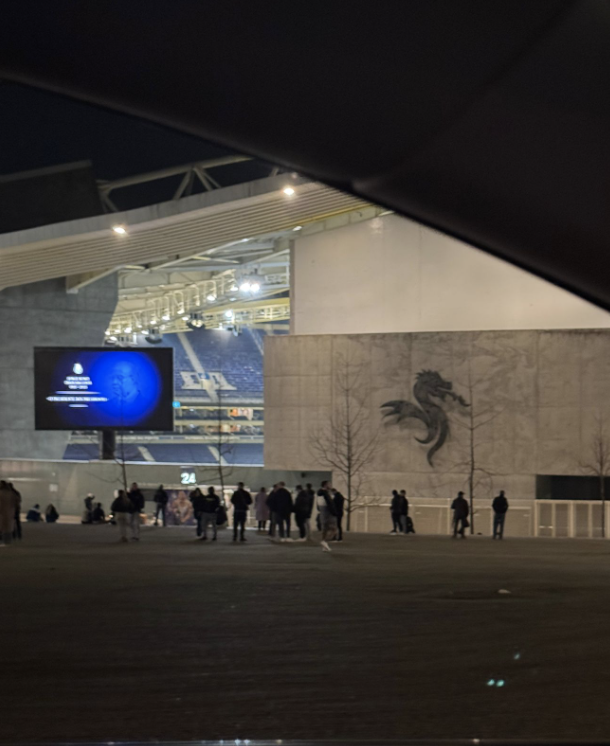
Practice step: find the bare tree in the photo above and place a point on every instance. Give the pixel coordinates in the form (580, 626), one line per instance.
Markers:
(222, 445)
(597, 463)
(475, 417)
(347, 443)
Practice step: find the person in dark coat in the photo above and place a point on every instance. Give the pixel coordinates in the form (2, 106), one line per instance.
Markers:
(98, 514)
(137, 501)
(161, 500)
(500, 507)
(241, 501)
(339, 502)
(404, 511)
(396, 512)
(33, 515)
(51, 515)
(122, 509)
(196, 498)
(460, 515)
(88, 511)
(210, 505)
(283, 510)
(303, 508)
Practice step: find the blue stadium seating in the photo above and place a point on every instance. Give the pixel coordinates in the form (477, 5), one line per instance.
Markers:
(181, 453)
(91, 452)
(245, 454)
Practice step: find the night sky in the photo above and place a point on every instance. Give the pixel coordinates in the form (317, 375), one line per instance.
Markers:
(40, 129)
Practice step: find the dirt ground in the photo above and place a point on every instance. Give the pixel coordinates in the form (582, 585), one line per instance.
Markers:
(387, 637)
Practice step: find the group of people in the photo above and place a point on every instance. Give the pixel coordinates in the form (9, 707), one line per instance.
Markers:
(278, 506)
(399, 510)
(275, 507)
(93, 512)
(461, 511)
(126, 511)
(10, 513)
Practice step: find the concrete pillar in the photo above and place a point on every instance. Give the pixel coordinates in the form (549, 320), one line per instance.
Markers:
(36, 315)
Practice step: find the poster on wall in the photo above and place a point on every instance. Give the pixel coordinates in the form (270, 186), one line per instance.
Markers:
(179, 509)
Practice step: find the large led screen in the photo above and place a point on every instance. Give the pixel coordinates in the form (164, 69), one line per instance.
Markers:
(94, 388)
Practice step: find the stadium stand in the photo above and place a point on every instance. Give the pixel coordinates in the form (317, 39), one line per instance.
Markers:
(90, 452)
(183, 453)
(245, 454)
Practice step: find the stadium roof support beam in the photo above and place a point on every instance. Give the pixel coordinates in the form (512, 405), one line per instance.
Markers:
(74, 283)
(189, 171)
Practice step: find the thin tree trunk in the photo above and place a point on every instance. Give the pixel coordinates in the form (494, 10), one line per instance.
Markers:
(349, 502)
(472, 469)
(602, 489)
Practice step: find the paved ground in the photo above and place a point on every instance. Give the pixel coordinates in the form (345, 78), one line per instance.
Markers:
(388, 637)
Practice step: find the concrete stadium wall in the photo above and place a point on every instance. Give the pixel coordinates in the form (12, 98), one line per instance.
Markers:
(390, 274)
(43, 314)
(536, 396)
(66, 483)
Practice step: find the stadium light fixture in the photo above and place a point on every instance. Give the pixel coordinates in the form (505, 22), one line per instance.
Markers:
(298, 228)
(229, 314)
(288, 191)
(233, 288)
(245, 287)
(196, 321)
(255, 287)
(119, 230)
(211, 298)
(127, 330)
(165, 317)
(186, 318)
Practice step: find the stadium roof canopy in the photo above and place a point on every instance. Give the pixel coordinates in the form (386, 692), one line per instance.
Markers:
(186, 254)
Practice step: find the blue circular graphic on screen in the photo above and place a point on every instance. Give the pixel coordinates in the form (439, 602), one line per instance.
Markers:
(129, 382)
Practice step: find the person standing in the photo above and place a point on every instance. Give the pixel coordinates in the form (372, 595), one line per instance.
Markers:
(404, 512)
(161, 500)
(395, 512)
(241, 501)
(137, 501)
(210, 505)
(326, 511)
(460, 515)
(17, 528)
(303, 507)
(272, 513)
(261, 509)
(500, 507)
(339, 502)
(122, 509)
(8, 505)
(197, 499)
(283, 510)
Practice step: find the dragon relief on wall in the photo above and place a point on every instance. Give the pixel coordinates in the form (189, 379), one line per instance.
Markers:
(429, 385)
